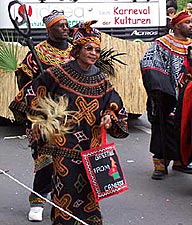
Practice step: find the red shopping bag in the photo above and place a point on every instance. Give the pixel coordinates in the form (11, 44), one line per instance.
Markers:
(103, 169)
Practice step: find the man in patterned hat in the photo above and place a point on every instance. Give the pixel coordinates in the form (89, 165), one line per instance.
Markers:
(53, 51)
(160, 67)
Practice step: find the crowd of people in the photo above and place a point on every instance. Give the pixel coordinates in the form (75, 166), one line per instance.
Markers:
(72, 98)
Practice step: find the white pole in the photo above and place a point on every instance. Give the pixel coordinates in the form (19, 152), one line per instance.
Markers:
(47, 200)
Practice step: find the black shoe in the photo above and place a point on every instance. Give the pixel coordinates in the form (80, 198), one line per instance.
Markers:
(158, 175)
(183, 169)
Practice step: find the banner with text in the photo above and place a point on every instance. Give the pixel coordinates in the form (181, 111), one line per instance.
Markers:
(120, 14)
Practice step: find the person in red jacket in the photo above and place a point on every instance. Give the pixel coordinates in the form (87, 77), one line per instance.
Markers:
(183, 115)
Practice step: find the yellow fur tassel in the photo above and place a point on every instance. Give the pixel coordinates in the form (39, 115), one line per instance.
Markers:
(54, 119)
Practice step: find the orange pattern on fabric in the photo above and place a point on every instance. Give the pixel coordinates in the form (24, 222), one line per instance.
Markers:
(86, 110)
(34, 102)
(177, 46)
(41, 92)
(60, 140)
(26, 70)
(114, 106)
(30, 66)
(20, 95)
(92, 205)
(64, 203)
(85, 40)
(96, 137)
(51, 55)
(55, 20)
(59, 167)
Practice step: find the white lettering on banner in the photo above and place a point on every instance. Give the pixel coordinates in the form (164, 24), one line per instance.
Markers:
(113, 185)
(104, 155)
(100, 169)
(144, 33)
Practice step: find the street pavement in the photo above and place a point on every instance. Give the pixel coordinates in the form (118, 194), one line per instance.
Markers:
(147, 202)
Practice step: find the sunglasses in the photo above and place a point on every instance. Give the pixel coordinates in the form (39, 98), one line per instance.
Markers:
(90, 48)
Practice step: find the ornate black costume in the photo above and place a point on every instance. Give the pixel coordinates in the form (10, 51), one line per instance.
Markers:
(90, 95)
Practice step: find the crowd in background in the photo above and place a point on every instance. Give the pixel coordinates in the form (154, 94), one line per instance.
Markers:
(172, 8)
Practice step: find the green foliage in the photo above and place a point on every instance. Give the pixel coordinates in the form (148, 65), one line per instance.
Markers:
(107, 60)
(182, 4)
(8, 54)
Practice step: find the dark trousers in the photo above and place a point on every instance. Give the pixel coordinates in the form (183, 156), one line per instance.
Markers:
(160, 108)
(42, 184)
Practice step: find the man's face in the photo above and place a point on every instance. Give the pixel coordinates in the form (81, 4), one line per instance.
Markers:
(59, 31)
(185, 28)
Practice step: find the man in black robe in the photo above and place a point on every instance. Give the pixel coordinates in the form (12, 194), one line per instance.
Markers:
(161, 66)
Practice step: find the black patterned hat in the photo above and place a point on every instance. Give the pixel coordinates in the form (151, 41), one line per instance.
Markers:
(54, 17)
(83, 33)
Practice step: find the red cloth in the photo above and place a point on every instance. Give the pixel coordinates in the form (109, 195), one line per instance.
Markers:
(180, 18)
(186, 125)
